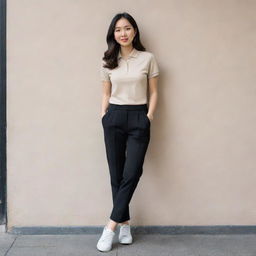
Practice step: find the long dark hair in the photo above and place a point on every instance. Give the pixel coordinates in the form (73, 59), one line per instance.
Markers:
(111, 54)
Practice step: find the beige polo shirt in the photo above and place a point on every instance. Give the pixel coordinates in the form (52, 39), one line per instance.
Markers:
(130, 79)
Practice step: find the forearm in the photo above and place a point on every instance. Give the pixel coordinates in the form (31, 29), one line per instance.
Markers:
(152, 104)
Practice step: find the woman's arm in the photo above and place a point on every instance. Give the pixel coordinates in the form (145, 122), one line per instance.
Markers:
(106, 93)
(153, 95)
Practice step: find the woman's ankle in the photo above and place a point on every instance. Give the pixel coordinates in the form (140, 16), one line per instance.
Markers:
(124, 223)
(112, 225)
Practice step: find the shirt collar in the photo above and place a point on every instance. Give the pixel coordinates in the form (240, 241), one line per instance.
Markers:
(132, 54)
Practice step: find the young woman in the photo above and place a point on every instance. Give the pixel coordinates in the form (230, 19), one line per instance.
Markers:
(128, 72)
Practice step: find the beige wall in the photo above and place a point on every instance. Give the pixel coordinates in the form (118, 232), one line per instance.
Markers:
(200, 164)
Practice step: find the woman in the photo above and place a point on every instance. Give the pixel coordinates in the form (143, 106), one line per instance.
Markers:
(127, 71)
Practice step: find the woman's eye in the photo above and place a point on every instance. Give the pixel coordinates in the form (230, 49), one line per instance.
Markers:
(119, 30)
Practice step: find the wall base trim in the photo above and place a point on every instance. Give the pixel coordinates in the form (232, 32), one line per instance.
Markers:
(168, 230)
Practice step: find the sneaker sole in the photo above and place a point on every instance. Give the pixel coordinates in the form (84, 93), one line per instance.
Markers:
(104, 251)
(125, 243)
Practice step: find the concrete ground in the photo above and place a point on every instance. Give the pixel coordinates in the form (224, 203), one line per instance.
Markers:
(143, 244)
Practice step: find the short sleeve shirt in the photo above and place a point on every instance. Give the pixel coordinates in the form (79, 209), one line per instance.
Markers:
(130, 78)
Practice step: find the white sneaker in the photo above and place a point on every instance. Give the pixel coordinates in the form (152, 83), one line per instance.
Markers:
(125, 236)
(105, 242)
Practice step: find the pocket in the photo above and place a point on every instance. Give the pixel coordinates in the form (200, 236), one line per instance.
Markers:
(104, 116)
(147, 117)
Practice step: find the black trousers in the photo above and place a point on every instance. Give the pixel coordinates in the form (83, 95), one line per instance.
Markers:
(126, 135)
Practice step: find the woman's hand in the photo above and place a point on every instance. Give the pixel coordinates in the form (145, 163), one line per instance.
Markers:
(102, 114)
(150, 117)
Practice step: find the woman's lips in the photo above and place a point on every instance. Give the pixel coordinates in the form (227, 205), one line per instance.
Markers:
(124, 40)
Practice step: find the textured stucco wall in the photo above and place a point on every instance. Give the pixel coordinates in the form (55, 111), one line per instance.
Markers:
(200, 164)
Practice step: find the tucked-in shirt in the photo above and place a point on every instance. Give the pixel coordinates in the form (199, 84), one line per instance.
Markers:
(130, 78)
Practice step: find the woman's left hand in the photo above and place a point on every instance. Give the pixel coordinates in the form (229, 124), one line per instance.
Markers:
(150, 117)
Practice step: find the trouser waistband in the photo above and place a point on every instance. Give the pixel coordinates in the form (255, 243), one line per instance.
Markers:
(128, 107)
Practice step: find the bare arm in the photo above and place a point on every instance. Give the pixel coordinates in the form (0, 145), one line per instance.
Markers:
(106, 93)
(153, 96)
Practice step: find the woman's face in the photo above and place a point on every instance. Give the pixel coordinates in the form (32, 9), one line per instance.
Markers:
(124, 32)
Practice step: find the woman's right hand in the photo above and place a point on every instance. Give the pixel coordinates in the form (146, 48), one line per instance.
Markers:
(103, 114)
